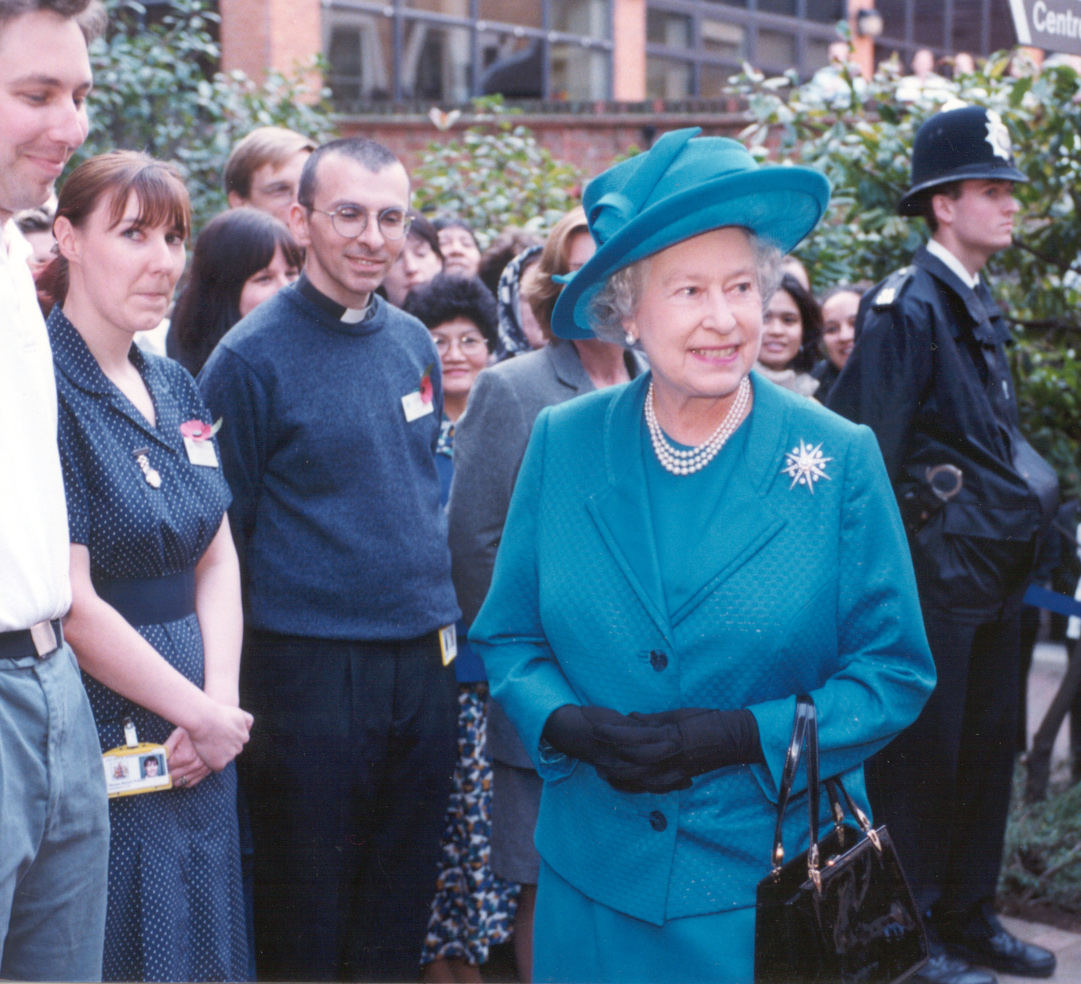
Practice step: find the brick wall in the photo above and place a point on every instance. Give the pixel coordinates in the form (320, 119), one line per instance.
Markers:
(590, 141)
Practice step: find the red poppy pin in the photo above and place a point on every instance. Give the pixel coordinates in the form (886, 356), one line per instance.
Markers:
(426, 383)
(198, 431)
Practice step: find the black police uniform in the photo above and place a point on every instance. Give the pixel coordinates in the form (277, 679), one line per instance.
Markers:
(929, 375)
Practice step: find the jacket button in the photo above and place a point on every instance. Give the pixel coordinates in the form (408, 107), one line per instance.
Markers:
(657, 821)
(658, 660)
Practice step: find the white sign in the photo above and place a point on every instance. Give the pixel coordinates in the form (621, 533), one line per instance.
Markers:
(1054, 25)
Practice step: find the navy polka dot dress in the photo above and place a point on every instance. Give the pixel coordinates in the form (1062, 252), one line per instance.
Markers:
(175, 910)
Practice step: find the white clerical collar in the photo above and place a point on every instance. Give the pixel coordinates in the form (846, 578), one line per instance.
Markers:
(350, 316)
(935, 248)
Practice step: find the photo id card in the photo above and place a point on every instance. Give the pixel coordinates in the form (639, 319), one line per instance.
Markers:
(143, 768)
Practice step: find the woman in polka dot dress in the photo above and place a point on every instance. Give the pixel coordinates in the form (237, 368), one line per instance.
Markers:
(155, 618)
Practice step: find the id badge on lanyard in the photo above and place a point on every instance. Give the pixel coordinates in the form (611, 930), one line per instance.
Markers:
(136, 767)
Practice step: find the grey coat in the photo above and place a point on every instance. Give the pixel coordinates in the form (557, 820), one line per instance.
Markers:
(489, 442)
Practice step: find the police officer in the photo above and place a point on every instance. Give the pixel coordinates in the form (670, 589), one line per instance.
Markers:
(929, 375)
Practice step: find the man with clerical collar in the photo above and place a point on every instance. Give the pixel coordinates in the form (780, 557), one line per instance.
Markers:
(929, 375)
(331, 401)
(54, 812)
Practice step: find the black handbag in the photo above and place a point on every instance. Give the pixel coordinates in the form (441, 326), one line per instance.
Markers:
(842, 911)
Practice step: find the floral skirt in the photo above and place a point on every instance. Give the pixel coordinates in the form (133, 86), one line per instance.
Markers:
(472, 908)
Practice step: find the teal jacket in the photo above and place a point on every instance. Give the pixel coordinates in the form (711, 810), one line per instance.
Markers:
(811, 590)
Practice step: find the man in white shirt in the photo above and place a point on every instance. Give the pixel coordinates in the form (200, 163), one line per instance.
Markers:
(54, 836)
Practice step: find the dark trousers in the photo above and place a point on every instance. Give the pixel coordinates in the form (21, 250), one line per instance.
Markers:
(943, 785)
(347, 777)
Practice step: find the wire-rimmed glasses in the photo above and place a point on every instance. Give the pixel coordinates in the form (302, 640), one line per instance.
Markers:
(350, 220)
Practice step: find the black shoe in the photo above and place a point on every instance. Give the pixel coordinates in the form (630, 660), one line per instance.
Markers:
(944, 969)
(980, 938)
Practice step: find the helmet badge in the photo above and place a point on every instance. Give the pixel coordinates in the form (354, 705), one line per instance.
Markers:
(998, 136)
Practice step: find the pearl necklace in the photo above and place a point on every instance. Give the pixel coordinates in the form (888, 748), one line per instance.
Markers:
(687, 462)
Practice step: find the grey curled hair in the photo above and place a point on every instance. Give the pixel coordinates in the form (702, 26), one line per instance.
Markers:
(617, 301)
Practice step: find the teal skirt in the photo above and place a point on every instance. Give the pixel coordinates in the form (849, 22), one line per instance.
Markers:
(576, 939)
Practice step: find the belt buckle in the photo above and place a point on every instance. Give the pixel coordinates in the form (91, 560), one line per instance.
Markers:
(44, 636)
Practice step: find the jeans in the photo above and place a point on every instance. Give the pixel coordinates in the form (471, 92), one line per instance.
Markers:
(54, 838)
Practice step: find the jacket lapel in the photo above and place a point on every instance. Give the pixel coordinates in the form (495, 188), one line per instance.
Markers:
(621, 511)
(568, 367)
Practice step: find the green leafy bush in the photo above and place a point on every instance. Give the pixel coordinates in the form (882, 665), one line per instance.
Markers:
(863, 142)
(1042, 862)
(495, 174)
(156, 89)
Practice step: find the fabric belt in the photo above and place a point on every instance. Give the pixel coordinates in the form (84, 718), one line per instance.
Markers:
(150, 600)
(30, 642)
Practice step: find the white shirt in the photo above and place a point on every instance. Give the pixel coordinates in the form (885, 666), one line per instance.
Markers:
(35, 583)
(935, 248)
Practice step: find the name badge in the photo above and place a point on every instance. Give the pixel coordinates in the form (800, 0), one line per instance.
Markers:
(448, 644)
(201, 452)
(415, 407)
(136, 767)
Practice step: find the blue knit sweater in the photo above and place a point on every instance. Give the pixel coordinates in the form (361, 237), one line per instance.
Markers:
(336, 510)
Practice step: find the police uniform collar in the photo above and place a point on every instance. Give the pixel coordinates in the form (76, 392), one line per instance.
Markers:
(984, 314)
(339, 312)
(935, 248)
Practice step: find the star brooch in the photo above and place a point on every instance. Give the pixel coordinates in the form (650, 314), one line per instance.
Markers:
(805, 465)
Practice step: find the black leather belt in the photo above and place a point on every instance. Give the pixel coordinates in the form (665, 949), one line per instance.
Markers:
(42, 641)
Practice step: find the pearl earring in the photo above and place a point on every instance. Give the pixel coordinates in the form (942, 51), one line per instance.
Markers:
(629, 339)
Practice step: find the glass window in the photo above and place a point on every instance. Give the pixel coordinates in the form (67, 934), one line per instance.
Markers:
(776, 50)
(928, 24)
(435, 62)
(726, 40)
(892, 13)
(586, 18)
(360, 51)
(786, 8)
(511, 66)
(826, 11)
(452, 8)
(816, 55)
(578, 73)
(673, 30)
(524, 12)
(667, 78)
(713, 81)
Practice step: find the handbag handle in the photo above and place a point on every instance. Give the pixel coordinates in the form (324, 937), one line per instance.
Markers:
(833, 786)
(804, 729)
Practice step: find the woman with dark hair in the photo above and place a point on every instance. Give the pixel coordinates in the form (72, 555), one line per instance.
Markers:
(242, 257)
(419, 260)
(510, 243)
(791, 328)
(155, 619)
(459, 244)
(472, 908)
(840, 306)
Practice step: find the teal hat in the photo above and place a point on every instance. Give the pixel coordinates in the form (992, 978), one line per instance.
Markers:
(683, 186)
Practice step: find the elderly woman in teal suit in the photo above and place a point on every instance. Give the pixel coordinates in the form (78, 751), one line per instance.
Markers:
(683, 555)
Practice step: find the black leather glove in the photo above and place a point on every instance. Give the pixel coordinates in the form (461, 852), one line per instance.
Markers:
(659, 753)
(572, 730)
